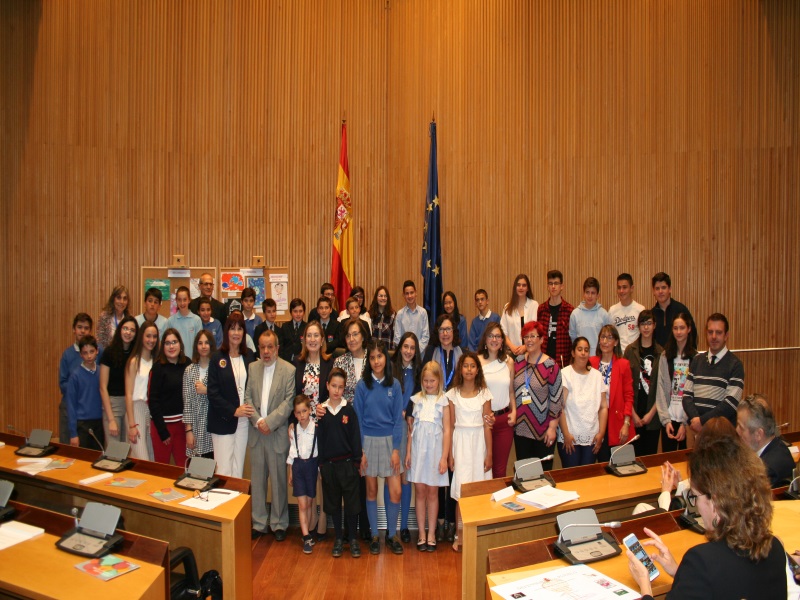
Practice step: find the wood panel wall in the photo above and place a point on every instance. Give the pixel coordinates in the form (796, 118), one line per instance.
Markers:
(592, 137)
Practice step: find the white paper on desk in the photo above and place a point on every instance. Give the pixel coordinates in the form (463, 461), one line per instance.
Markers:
(503, 494)
(215, 499)
(14, 532)
(579, 581)
(32, 466)
(546, 497)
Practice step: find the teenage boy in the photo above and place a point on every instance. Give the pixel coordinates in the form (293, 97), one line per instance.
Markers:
(84, 405)
(218, 309)
(716, 379)
(666, 307)
(251, 319)
(327, 290)
(152, 304)
(554, 316)
(185, 321)
(210, 324)
(339, 439)
(588, 319)
(412, 318)
(292, 332)
(479, 323)
(331, 327)
(625, 313)
(70, 359)
(270, 310)
(644, 354)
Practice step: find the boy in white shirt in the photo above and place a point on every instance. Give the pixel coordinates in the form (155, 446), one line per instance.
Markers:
(624, 314)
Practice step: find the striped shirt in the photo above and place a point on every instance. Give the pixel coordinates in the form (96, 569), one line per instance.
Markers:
(713, 390)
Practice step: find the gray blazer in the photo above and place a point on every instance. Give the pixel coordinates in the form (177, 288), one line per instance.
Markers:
(281, 397)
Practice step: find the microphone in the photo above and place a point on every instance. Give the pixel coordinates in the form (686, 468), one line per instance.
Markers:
(633, 439)
(783, 425)
(102, 450)
(74, 513)
(532, 461)
(609, 524)
(25, 434)
(789, 489)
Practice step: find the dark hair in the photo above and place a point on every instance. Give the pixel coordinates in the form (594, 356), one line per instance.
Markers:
(202, 301)
(512, 304)
(82, 317)
(645, 315)
(337, 372)
(87, 340)
(326, 286)
(458, 380)
(356, 290)
(555, 274)
(416, 362)
(235, 318)
(116, 349)
(117, 291)
(376, 344)
(661, 276)
(591, 282)
(483, 349)
(183, 288)
(324, 300)
(301, 399)
(155, 293)
(268, 303)
(295, 303)
(136, 353)
(671, 347)
(719, 317)
(268, 332)
(162, 356)
(362, 328)
(480, 291)
(323, 349)
(209, 338)
(625, 277)
(435, 342)
(456, 314)
(575, 343)
(615, 334)
(409, 283)
(248, 292)
(374, 310)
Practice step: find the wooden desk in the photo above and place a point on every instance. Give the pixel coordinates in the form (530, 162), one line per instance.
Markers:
(19, 564)
(487, 524)
(785, 524)
(220, 538)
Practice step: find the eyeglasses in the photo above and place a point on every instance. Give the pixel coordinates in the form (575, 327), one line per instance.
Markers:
(353, 335)
(445, 330)
(691, 497)
(646, 324)
(359, 296)
(201, 495)
(494, 336)
(128, 330)
(531, 336)
(171, 343)
(606, 338)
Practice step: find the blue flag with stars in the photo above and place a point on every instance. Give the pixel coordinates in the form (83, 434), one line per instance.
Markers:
(432, 244)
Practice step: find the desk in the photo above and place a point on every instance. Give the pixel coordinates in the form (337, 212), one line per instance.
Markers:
(220, 539)
(487, 524)
(785, 524)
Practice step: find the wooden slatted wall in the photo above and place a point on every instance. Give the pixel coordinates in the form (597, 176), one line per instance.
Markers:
(591, 137)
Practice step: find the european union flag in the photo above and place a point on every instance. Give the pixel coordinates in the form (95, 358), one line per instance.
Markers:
(432, 244)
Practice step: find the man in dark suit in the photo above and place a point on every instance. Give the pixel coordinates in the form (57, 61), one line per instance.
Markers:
(218, 310)
(755, 424)
(270, 391)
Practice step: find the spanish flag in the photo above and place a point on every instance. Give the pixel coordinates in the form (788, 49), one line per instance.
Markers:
(342, 270)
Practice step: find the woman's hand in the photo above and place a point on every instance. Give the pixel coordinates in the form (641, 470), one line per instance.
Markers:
(637, 421)
(639, 574)
(623, 432)
(408, 460)
(443, 465)
(597, 442)
(190, 441)
(670, 477)
(244, 410)
(167, 441)
(451, 462)
(550, 434)
(569, 443)
(363, 465)
(487, 462)
(200, 387)
(113, 427)
(395, 462)
(133, 433)
(489, 420)
(662, 554)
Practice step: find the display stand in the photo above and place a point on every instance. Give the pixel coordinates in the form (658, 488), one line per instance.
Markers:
(169, 279)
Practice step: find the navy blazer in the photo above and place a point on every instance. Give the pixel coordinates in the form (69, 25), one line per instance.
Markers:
(223, 398)
(779, 462)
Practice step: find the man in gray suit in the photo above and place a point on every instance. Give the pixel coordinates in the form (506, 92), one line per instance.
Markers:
(270, 390)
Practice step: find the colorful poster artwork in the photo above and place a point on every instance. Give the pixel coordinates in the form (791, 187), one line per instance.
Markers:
(160, 284)
(232, 281)
(258, 284)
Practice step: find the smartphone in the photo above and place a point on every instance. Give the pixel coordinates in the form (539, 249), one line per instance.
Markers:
(632, 542)
(513, 506)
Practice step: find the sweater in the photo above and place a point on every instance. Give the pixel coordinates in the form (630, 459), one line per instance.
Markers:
(587, 322)
(83, 398)
(713, 390)
(339, 436)
(380, 411)
(664, 319)
(477, 328)
(166, 395)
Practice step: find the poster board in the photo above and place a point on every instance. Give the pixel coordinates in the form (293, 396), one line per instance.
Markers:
(169, 279)
(269, 282)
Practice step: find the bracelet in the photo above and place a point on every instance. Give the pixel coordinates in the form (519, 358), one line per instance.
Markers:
(134, 426)
(188, 430)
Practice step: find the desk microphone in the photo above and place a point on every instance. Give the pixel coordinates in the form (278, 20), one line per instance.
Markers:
(630, 441)
(530, 462)
(25, 434)
(783, 425)
(94, 437)
(610, 524)
(791, 484)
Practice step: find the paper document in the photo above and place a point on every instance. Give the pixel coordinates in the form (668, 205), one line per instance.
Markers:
(14, 532)
(546, 497)
(579, 581)
(210, 500)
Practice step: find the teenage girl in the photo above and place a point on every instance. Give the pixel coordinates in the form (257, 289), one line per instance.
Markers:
(379, 406)
(519, 310)
(583, 420)
(112, 379)
(470, 401)
(166, 400)
(427, 455)
(195, 397)
(137, 379)
(381, 315)
(450, 306)
(616, 374)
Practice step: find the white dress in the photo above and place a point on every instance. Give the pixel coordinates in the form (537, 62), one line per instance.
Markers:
(427, 440)
(469, 443)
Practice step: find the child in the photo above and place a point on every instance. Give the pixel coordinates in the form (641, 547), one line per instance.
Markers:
(643, 355)
(554, 316)
(582, 424)
(450, 307)
(251, 319)
(339, 442)
(84, 406)
(152, 304)
(624, 313)
(590, 316)
(331, 327)
(185, 321)
(479, 323)
(210, 324)
(70, 358)
(137, 380)
(270, 310)
(353, 311)
(471, 450)
(412, 318)
(291, 333)
(303, 471)
(427, 454)
(379, 406)
(165, 400)
(195, 398)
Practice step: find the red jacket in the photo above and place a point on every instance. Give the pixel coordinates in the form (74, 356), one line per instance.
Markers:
(620, 397)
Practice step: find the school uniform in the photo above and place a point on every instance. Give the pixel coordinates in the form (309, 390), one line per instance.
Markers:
(263, 327)
(334, 338)
(291, 339)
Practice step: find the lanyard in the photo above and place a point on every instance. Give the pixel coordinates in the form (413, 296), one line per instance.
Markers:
(448, 376)
(607, 374)
(527, 375)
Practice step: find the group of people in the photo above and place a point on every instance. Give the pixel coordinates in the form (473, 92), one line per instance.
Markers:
(371, 392)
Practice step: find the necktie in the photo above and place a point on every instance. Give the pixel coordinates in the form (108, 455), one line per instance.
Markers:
(714, 359)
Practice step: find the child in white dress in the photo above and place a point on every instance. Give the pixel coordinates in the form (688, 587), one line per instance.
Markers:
(427, 454)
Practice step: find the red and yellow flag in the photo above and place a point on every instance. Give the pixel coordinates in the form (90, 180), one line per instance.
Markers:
(342, 270)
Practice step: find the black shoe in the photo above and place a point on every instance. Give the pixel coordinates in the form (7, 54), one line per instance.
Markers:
(431, 547)
(280, 535)
(405, 536)
(320, 537)
(338, 548)
(440, 531)
(355, 548)
(255, 534)
(366, 535)
(451, 532)
(308, 546)
(393, 544)
(374, 546)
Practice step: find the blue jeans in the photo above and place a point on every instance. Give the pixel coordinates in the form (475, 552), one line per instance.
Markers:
(581, 455)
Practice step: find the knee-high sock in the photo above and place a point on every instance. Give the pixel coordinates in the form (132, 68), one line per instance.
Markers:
(405, 504)
(372, 513)
(392, 510)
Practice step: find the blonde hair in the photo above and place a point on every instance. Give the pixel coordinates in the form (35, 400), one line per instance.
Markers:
(434, 369)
